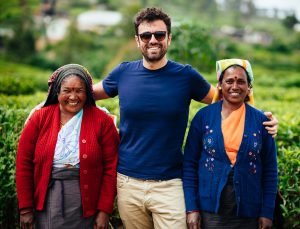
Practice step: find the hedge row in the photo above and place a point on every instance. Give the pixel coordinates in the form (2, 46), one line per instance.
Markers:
(11, 124)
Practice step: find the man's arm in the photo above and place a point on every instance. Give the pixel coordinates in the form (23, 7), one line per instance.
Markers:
(272, 125)
(99, 92)
(210, 95)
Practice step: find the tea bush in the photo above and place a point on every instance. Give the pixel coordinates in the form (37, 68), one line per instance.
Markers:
(289, 184)
(191, 44)
(271, 96)
(21, 79)
(11, 123)
(16, 86)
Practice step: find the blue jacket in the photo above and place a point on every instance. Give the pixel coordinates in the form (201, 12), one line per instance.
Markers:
(206, 165)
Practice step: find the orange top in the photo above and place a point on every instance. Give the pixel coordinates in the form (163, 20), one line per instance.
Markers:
(232, 130)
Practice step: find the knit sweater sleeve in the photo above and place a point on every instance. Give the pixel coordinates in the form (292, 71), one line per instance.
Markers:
(269, 175)
(109, 142)
(24, 162)
(192, 151)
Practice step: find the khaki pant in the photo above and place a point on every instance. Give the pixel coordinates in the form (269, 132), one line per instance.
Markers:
(147, 204)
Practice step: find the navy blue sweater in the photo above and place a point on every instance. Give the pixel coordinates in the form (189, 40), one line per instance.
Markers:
(154, 110)
(206, 165)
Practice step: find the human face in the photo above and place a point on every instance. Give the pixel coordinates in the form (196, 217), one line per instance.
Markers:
(234, 85)
(153, 50)
(72, 95)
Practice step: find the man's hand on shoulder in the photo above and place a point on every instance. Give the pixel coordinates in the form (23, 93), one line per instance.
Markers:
(272, 125)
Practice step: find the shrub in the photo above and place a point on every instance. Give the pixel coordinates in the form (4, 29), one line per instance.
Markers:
(289, 184)
(11, 123)
(17, 79)
(191, 44)
(22, 101)
(15, 86)
(279, 46)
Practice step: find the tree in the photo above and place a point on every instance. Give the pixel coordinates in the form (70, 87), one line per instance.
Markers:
(191, 44)
(289, 21)
(16, 15)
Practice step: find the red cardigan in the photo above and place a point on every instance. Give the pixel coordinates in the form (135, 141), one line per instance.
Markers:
(98, 144)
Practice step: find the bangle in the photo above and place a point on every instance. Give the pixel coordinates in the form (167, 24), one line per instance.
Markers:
(25, 212)
(192, 211)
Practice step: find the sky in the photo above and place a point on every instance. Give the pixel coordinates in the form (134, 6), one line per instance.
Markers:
(280, 4)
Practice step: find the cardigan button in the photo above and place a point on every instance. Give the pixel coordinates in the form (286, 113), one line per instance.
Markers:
(84, 156)
(85, 186)
(83, 141)
(85, 171)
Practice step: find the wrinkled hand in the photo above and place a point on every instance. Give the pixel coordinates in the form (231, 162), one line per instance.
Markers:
(264, 223)
(272, 125)
(193, 220)
(101, 221)
(26, 221)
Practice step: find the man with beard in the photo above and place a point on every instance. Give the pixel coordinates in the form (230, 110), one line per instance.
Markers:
(154, 97)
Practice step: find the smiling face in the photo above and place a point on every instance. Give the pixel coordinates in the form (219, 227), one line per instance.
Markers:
(234, 85)
(72, 95)
(154, 50)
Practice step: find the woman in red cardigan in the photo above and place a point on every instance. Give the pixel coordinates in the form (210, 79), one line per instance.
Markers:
(67, 157)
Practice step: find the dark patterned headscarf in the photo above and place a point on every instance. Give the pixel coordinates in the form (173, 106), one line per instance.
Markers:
(55, 80)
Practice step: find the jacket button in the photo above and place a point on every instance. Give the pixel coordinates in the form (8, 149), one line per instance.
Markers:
(83, 141)
(84, 156)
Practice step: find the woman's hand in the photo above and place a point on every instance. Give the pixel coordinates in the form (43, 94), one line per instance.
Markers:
(193, 220)
(272, 125)
(264, 223)
(26, 218)
(101, 221)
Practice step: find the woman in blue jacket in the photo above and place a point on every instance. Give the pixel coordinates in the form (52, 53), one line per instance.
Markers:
(230, 167)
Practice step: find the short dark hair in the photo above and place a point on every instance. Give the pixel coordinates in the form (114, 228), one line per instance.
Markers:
(150, 15)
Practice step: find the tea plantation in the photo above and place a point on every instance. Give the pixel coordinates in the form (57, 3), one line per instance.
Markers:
(22, 87)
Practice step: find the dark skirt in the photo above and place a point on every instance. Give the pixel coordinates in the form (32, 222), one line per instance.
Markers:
(63, 208)
(213, 221)
(226, 217)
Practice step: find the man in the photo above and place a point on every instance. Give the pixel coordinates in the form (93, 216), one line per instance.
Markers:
(154, 97)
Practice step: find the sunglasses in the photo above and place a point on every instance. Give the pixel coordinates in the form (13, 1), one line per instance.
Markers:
(159, 36)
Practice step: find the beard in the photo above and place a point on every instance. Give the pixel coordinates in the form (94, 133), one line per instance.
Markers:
(153, 57)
